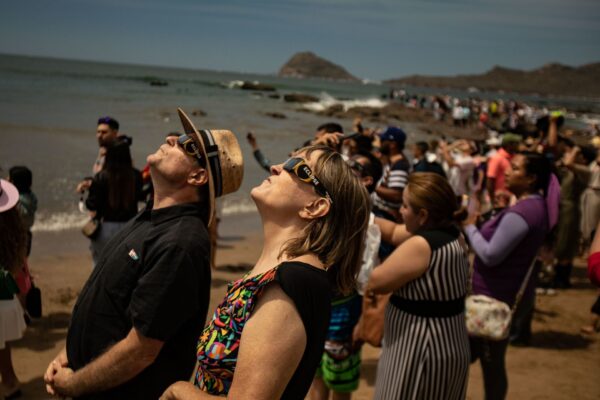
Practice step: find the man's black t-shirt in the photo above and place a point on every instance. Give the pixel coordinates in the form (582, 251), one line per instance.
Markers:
(153, 275)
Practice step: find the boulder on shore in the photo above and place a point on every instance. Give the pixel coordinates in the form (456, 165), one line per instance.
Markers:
(262, 87)
(299, 98)
(276, 115)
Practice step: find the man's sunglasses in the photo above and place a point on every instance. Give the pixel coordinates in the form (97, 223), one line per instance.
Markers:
(298, 167)
(188, 145)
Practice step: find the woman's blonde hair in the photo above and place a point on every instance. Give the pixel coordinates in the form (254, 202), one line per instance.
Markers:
(432, 192)
(338, 237)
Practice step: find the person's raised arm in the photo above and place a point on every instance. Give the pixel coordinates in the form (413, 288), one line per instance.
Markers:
(258, 154)
(445, 150)
(510, 232)
(570, 161)
(392, 232)
(406, 263)
(389, 194)
(119, 364)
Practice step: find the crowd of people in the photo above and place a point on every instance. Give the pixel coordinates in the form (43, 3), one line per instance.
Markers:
(496, 114)
(429, 229)
(518, 204)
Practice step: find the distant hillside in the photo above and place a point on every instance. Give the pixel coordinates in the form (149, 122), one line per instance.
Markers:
(309, 65)
(554, 79)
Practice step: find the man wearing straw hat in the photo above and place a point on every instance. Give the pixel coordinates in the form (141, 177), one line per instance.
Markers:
(136, 322)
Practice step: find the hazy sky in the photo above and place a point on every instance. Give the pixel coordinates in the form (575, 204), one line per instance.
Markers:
(372, 39)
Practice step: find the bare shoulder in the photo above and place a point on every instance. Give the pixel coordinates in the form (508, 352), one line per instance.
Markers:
(274, 306)
(417, 243)
(271, 347)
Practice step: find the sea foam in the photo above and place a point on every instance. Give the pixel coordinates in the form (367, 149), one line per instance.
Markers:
(59, 221)
(326, 101)
(62, 221)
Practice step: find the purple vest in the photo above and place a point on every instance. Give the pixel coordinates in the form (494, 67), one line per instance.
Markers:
(503, 281)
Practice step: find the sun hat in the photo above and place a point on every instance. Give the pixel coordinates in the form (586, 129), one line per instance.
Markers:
(394, 134)
(493, 139)
(9, 195)
(225, 164)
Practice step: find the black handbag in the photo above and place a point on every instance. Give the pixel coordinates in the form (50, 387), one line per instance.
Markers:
(33, 302)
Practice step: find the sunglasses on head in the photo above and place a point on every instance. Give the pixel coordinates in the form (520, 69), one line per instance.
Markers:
(298, 167)
(188, 145)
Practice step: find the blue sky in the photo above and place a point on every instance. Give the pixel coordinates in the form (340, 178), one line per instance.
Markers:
(372, 39)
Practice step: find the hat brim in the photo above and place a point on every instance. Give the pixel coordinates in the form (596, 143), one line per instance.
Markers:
(190, 129)
(9, 196)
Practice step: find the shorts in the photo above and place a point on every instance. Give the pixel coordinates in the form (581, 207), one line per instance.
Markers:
(340, 363)
(341, 376)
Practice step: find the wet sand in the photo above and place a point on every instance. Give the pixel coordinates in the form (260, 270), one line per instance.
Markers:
(560, 363)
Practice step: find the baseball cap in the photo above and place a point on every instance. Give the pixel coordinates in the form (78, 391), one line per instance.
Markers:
(393, 134)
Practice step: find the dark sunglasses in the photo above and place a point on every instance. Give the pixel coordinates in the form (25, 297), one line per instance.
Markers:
(188, 145)
(355, 165)
(298, 167)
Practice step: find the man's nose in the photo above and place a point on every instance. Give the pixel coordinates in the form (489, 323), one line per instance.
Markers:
(172, 140)
(276, 169)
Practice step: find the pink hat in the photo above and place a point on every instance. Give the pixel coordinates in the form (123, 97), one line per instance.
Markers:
(9, 195)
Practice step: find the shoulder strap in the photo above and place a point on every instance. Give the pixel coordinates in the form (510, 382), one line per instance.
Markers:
(524, 284)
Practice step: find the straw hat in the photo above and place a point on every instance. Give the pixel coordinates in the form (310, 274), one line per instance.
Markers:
(225, 162)
(9, 195)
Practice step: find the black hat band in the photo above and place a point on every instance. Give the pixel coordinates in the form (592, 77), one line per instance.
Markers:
(212, 152)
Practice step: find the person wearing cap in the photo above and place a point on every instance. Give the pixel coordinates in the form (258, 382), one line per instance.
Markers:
(493, 142)
(499, 164)
(266, 338)
(13, 244)
(387, 197)
(135, 324)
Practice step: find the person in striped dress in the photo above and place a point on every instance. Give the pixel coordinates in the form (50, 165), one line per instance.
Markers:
(425, 351)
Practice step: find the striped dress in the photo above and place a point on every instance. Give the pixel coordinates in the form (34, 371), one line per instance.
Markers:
(427, 357)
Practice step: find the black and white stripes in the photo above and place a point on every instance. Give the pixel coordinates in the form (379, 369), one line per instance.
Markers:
(428, 358)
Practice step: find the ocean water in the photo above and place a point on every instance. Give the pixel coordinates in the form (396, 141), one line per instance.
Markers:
(49, 109)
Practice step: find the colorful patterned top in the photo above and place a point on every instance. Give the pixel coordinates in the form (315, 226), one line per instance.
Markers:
(218, 345)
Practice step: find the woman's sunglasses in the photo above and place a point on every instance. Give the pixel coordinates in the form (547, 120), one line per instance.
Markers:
(298, 167)
(188, 145)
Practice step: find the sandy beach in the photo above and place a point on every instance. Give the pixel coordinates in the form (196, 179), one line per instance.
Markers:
(560, 363)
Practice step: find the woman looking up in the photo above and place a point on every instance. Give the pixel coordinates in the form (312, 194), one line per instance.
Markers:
(505, 248)
(425, 352)
(266, 338)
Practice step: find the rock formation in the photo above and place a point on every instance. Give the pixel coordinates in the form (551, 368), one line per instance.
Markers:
(309, 65)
